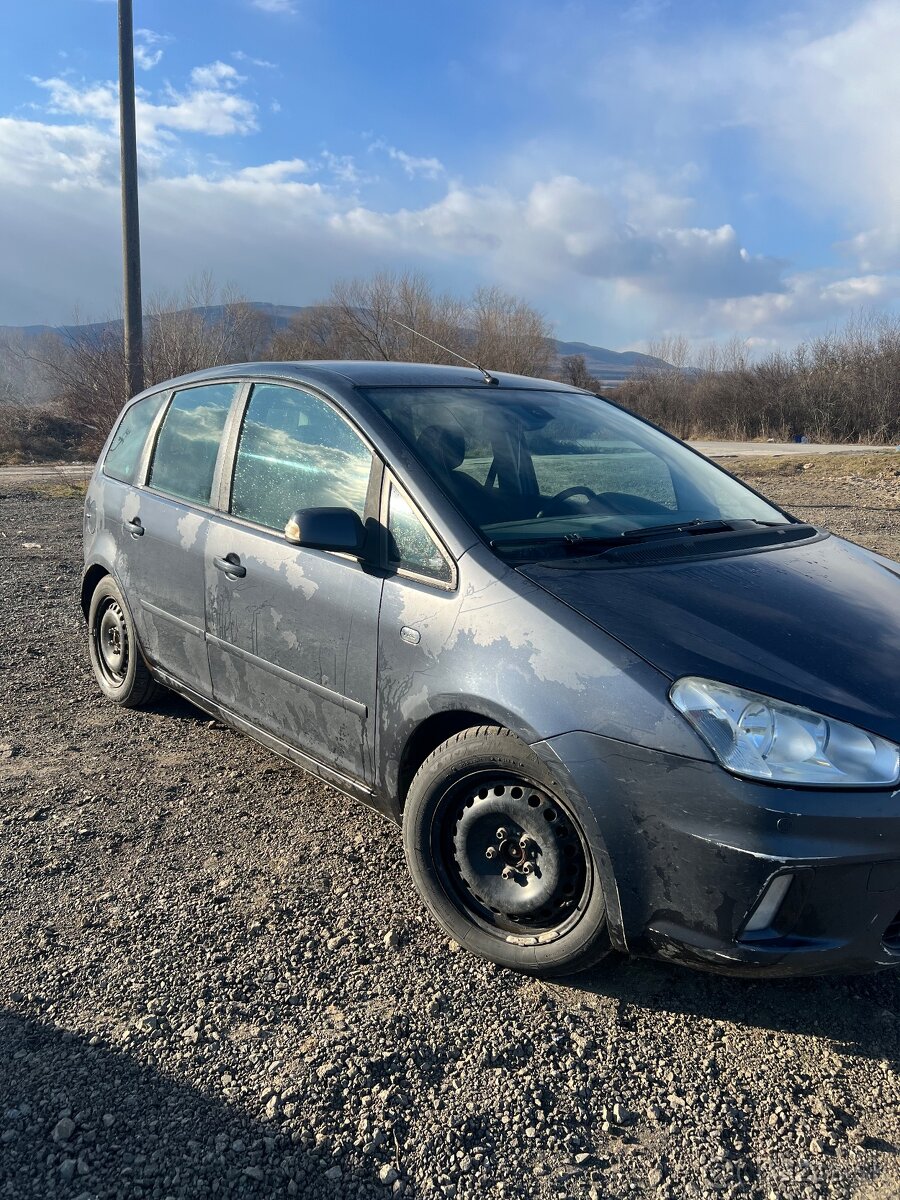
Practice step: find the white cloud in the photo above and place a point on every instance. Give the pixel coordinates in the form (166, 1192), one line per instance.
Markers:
(342, 167)
(146, 58)
(212, 105)
(816, 92)
(428, 168)
(148, 50)
(613, 249)
(274, 172)
(216, 74)
(242, 56)
(809, 299)
(283, 234)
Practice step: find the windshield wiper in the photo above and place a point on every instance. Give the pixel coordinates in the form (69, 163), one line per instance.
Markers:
(577, 543)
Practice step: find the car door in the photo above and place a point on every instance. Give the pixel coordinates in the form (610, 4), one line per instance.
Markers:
(168, 523)
(292, 632)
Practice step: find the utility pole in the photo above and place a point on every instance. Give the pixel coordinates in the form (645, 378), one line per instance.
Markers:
(131, 234)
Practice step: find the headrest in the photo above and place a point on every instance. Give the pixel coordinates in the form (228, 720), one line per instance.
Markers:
(441, 447)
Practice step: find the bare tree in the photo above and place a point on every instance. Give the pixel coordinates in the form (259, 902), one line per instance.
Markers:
(202, 326)
(364, 319)
(673, 349)
(509, 334)
(573, 369)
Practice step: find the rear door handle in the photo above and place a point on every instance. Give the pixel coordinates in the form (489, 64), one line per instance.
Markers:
(231, 565)
(135, 528)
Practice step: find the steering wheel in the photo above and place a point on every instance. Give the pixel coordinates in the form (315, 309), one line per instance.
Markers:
(556, 506)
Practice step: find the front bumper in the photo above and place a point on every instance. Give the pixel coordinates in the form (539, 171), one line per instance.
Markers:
(687, 851)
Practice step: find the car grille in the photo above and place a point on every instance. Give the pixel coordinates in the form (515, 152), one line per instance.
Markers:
(891, 937)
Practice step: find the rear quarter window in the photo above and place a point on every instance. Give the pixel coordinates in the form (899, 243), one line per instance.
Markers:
(123, 458)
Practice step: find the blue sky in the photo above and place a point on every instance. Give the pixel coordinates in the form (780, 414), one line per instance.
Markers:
(635, 169)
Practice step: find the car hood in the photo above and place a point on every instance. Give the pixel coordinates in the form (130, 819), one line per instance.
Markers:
(815, 624)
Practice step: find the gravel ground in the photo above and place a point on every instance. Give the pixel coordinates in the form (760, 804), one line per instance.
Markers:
(217, 981)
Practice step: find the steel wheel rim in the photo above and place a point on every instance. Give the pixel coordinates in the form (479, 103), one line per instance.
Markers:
(511, 858)
(111, 642)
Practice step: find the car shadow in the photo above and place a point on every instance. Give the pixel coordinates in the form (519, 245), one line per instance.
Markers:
(860, 1014)
(169, 704)
(81, 1119)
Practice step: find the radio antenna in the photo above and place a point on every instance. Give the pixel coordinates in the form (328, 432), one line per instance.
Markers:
(488, 377)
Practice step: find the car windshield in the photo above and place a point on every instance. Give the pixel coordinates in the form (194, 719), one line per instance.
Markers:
(534, 470)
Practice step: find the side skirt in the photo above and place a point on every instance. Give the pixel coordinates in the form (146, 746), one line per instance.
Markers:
(344, 783)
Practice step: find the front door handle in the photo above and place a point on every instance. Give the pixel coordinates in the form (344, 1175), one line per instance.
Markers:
(135, 528)
(231, 565)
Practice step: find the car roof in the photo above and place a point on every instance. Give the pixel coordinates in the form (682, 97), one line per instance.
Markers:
(371, 374)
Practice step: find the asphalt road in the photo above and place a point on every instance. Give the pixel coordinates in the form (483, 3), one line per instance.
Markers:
(729, 449)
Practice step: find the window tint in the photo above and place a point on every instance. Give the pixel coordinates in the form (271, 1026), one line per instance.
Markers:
(124, 454)
(185, 457)
(410, 545)
(295, 452)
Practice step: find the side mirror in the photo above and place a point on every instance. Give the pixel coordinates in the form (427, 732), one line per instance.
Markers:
(326, 529)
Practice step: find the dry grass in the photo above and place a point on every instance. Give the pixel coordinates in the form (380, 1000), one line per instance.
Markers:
(855, 495)
(837, 468)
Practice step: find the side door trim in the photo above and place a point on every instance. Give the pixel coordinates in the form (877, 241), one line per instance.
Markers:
(188, 626)
(345, 783)
(319, 689)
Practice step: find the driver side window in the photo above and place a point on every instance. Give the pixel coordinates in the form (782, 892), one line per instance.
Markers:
(295, 451)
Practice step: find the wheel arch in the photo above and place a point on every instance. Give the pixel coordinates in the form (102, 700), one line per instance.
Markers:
(427, 736)
(89, 580)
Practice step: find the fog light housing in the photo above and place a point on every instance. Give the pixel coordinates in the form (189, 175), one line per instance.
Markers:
(764, 912)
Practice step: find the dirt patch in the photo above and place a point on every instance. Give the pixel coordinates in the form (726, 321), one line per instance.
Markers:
(854, 495)
(215, 979)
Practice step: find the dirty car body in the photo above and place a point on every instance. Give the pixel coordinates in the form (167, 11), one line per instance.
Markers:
(707, 685)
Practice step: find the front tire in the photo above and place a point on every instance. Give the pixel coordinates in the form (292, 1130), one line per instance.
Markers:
(115, 655)
(500, 857)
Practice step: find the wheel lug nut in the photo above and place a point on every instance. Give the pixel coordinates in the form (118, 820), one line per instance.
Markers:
(508, 872)
(502, 834)
(490, 852)
(524, 841)
(527, 868)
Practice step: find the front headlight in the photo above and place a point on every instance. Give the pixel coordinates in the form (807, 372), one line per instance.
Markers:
(761, 738)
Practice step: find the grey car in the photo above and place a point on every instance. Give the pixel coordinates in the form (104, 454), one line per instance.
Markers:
(617, 700)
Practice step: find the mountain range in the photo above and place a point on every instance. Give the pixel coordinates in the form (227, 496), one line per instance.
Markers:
(609, 366)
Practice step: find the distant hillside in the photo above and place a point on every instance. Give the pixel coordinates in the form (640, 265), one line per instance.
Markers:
(609, 366)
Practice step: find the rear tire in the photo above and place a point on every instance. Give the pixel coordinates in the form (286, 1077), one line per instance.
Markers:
(500, 857)
(115, 655)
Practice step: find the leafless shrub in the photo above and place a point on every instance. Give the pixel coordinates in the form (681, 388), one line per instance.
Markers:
(83, 366)
(841, 387)
(32, 434)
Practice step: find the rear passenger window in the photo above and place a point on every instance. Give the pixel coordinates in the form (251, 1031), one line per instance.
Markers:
(124, 454)
(184, 460)
(295, 452)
